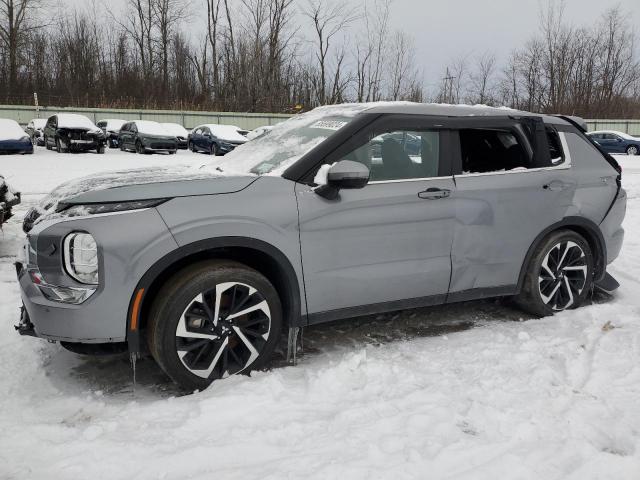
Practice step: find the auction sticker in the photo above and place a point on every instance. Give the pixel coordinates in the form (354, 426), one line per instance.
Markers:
(329, 124)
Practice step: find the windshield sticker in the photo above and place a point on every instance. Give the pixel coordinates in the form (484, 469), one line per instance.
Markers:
(329, 124)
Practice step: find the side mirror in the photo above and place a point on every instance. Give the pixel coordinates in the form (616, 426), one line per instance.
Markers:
(344, 174)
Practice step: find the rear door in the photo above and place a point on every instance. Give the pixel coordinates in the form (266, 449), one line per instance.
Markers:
(388, 245)
(513, 180)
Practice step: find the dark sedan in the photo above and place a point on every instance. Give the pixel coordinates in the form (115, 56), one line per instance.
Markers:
(13, 139)
(69, 132)
(616, 142)
(216, 139)
(144, 136)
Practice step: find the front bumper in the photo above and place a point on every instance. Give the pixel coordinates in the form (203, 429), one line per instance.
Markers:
(129, 244)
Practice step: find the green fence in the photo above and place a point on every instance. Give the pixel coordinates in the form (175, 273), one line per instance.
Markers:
(189, 119)
(632, 127)
(247, 121)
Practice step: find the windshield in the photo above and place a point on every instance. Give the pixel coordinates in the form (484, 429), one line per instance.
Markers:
(288, 141)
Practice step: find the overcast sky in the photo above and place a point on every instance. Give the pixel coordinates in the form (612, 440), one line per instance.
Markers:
(450, 28)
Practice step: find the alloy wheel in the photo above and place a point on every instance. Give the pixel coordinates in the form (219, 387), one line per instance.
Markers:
(222, 331)
(563, 275)
(632, 150)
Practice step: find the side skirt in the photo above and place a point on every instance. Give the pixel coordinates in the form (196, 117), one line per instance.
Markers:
(385, 307)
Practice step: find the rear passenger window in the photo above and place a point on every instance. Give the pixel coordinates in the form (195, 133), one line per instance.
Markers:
(492, 150)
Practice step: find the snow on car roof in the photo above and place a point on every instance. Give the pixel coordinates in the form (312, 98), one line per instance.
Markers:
(149, 127)
(113, 123)
(74, 120)
(226, 132)
(10, 130)
(176, 129)
(39, 122)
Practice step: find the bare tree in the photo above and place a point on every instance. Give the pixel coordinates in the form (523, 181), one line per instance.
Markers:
(17, 22)
(168, 15)
(328, 19)
(481, 80)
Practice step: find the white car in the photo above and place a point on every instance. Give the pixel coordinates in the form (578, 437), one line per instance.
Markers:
(179, 132)
(34, 130)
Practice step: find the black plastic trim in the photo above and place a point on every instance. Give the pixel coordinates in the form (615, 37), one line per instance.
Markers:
(600, 254)
(374, 308)
(480, 293)
(293, 315)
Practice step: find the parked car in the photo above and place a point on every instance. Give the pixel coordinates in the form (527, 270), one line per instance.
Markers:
(70, 132)
(111, 128)
(34, 130)
(179, 132)
(13, 139)
(617, 142)
(208, 266)
(145, 136)
(216, 139)
(259, 132)
(8, 198)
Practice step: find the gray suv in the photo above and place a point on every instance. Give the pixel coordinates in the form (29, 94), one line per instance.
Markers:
(340, 212)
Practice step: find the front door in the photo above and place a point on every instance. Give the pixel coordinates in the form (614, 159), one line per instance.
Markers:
(388, 245)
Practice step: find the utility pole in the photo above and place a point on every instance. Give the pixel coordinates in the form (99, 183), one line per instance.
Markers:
(35, 99)
(448, 86)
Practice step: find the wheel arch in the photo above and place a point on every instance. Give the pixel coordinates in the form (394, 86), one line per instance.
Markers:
(586, 228)
(256, 254)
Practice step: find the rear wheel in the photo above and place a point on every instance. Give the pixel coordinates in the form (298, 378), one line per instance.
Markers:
(632, 150)
(559, 275)
(213, 320)
(214, 150)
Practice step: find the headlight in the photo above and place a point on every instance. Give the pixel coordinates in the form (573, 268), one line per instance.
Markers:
(81, 257)
(97, 208)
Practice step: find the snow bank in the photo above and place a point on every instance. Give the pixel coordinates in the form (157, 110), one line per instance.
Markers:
(10, 130)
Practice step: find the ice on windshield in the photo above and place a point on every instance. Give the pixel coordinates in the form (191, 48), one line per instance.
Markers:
(288, 141)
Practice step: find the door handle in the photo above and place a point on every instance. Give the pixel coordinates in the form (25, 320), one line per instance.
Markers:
(434, 193)
(555, 186)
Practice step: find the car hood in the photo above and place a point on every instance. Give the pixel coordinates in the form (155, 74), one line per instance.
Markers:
(138, 184)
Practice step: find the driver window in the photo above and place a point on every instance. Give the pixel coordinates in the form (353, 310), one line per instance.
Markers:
(400, 154)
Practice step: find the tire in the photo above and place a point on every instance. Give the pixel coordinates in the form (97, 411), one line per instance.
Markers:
(122, 149)
(559, 275)
(172, 152)
(100, 149)
(194, 356)
(46, 144)
(633, 150)
(213, 150)
(59, 148)
(191, 147)
(139, 148)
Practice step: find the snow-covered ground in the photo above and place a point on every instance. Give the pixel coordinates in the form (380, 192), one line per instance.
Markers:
(468, 391)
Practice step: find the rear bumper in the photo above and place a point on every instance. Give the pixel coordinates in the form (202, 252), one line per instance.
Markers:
(611, 226)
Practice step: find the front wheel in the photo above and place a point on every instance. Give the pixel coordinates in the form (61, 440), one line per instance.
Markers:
(559, 275)
(100, 149)
(632, 150)
(212, 320)
(139, 147)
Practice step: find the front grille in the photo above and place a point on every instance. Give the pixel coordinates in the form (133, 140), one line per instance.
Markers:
(163, 146)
